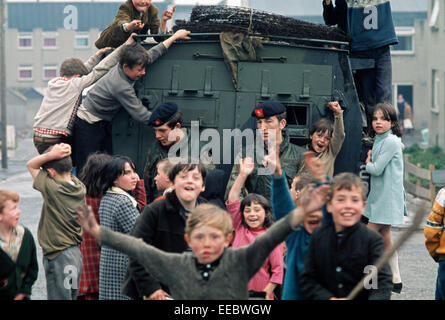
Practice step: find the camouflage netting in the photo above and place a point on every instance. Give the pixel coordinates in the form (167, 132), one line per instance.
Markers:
(214, 19)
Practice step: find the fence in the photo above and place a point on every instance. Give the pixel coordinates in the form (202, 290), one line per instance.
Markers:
(417, 189)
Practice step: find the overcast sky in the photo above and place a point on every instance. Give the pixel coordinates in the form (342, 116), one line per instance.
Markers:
(188, 2)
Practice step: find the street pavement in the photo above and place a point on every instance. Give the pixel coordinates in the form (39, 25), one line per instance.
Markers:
(418, 270)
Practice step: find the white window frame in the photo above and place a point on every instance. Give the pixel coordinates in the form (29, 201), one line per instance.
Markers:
(24, 36)
(81, 36)
(435, 93)
(49, 36)
(49, 67)
(405, 32)
(435, 8)
(25, 68)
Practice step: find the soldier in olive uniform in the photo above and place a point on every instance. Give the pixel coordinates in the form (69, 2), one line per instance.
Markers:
(164, 119)
(270, 116)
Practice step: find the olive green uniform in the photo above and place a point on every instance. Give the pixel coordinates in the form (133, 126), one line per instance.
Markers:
(291, 157)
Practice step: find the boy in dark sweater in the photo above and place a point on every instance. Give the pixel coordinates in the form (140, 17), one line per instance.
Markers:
(341, 252)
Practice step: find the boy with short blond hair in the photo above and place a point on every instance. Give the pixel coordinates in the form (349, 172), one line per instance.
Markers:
(59, 233)
(340, 252)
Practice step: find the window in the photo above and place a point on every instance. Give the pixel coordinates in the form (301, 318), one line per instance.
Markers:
(49, 41)
(25, 41)
(435, 91)
(81, 41)
(406, 41)
(25, 72)
(49, 72)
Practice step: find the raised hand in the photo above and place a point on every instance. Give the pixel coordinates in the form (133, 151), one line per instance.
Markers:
(246, 166)
(335, 107)
(85, 216)
(272, 160)
(315, 166)
(313, 199)
(168, 14)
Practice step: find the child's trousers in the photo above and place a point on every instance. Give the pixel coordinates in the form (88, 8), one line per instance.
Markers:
(440, 284)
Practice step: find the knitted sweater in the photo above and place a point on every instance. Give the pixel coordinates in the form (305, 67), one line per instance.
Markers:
(435, 238)
(22, 273)
(229, 279)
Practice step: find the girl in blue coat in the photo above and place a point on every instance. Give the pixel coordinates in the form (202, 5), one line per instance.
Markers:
(386, 200)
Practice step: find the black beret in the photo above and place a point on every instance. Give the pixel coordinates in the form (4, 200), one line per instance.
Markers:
(268, 109)
(163, 113)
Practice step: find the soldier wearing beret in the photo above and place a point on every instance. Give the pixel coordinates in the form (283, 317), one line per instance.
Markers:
(164, 119)
(270, 116)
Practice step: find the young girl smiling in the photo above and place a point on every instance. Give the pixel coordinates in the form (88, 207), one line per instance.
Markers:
(250, 218)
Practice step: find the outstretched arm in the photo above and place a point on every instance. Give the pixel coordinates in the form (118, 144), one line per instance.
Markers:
(180, 34)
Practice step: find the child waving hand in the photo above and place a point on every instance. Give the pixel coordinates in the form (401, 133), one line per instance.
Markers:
(251, 217)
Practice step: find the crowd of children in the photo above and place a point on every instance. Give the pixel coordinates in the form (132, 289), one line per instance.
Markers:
(293, 234)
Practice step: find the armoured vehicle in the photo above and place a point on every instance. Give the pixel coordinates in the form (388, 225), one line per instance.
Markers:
(304, 74)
